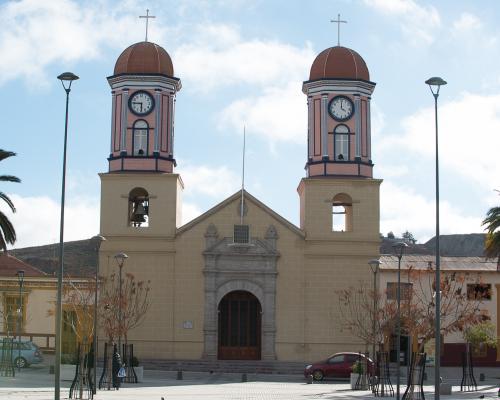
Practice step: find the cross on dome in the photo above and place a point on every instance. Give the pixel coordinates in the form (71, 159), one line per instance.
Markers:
(338, 21)
(147, 16)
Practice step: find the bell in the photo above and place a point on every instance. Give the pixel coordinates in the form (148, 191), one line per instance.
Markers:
(139, 213)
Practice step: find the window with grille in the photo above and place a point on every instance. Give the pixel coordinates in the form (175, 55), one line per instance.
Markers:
(14, 317)
(405, 290)
(479, 291)
(241, 234)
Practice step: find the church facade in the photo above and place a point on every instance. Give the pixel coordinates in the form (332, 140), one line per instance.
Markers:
(240, 281)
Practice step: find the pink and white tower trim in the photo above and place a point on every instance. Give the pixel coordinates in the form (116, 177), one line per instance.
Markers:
(143, 91)
(338, 97)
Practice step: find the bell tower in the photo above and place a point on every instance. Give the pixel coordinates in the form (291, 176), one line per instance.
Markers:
(339, 198)
(143, 89)
(141, 193)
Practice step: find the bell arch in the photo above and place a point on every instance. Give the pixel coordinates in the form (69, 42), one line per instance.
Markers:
(138, 208)
(342, 213)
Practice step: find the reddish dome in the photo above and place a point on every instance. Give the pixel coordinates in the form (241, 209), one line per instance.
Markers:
(339, 63)
(144, 58)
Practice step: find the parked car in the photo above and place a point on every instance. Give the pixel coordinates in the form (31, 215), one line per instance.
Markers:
(30, 354)
(338, 365)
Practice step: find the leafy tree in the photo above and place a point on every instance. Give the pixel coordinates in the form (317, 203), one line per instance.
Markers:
(492, 226)
(7, 231)
(480, 334)
(390, 235)
(408, 237)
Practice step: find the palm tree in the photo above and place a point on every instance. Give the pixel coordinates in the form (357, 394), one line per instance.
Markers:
(492, 243)
(7, 232)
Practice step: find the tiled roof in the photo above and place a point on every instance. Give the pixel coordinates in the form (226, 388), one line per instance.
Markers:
(9, 266)
(390, 262)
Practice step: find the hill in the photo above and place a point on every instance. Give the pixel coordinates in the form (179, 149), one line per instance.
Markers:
(80, 257)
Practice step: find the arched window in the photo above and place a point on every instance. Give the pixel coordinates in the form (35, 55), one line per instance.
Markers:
(140, 137)
(342, 213)
(341, 142)
(138, 208)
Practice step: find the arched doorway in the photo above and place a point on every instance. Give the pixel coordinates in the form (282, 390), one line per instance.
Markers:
(239, 329)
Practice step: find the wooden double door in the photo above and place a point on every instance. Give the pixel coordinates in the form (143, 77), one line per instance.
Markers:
(239, 327)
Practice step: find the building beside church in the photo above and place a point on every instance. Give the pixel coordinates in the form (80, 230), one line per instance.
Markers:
(240, 281)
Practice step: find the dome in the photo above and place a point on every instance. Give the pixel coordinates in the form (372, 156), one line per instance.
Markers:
(144, 58)
(339, 63)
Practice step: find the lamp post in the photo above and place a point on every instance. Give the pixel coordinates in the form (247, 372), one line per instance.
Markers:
(374, 265)
(98, 240)
(120, 259)
(20, 279)
(435, 84)
(66, 79)
(399, 248)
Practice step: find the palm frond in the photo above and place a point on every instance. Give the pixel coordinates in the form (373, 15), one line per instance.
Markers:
(9, 202)
(492, 220)
(7, 232)
(9, 178)
(6, 154)
(492, 245)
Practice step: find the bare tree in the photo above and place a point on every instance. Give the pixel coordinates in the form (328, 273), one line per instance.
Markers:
(418, 311)
(133, 307)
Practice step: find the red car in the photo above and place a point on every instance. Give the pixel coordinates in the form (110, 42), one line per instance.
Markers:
(338, 365)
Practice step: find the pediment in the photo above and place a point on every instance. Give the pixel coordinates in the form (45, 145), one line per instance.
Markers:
(256, 247)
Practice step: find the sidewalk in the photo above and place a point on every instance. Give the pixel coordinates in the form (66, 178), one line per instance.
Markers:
(37, 384)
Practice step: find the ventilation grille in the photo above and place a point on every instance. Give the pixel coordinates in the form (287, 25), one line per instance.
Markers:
(241, 234)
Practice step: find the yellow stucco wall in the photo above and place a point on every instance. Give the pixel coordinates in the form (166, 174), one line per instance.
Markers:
(313, 263)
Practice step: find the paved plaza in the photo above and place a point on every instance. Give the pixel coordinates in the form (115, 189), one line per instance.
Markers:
(37, 384)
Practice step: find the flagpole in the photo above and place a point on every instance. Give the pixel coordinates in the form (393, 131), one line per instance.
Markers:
(243, 176)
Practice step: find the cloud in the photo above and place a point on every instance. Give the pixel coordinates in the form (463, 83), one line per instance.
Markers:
(189, 212)
(217, 56)
(417, 22)
(215, 182)
(37, 34)
(37, 219)
(467, 22)
(402, 209)
(468, 137)
(279, 114)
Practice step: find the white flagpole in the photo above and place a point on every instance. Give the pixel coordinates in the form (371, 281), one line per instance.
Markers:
(243, 176)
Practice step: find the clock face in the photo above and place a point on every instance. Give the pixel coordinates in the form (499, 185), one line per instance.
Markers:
(341, 108)
(141, 103)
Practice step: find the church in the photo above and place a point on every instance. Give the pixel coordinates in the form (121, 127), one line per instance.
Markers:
(240, 282)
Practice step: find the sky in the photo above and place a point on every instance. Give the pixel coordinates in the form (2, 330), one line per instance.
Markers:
(242, 63)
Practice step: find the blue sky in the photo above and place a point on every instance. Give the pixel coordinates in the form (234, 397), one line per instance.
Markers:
(242, 62)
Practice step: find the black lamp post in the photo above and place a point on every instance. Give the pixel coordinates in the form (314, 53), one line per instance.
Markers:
(98, 239)
(399, 248)
(374, 265)
(66, 79)
(120, 259)
(20, 279)
(435, 84)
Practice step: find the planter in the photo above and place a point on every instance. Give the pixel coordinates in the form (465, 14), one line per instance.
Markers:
(139, 372)
(354, 379)
(68, 372)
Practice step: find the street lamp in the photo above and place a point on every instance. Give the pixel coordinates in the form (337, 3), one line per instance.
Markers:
(66, 79)
(435, 84)
(20, 279)
(399, 248)
(374, 265)
(98, 239)
(120, 259)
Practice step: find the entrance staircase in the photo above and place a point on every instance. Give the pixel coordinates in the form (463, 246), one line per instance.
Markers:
(232, 366)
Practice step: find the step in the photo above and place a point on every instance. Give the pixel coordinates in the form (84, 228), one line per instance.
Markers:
(236, 366)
